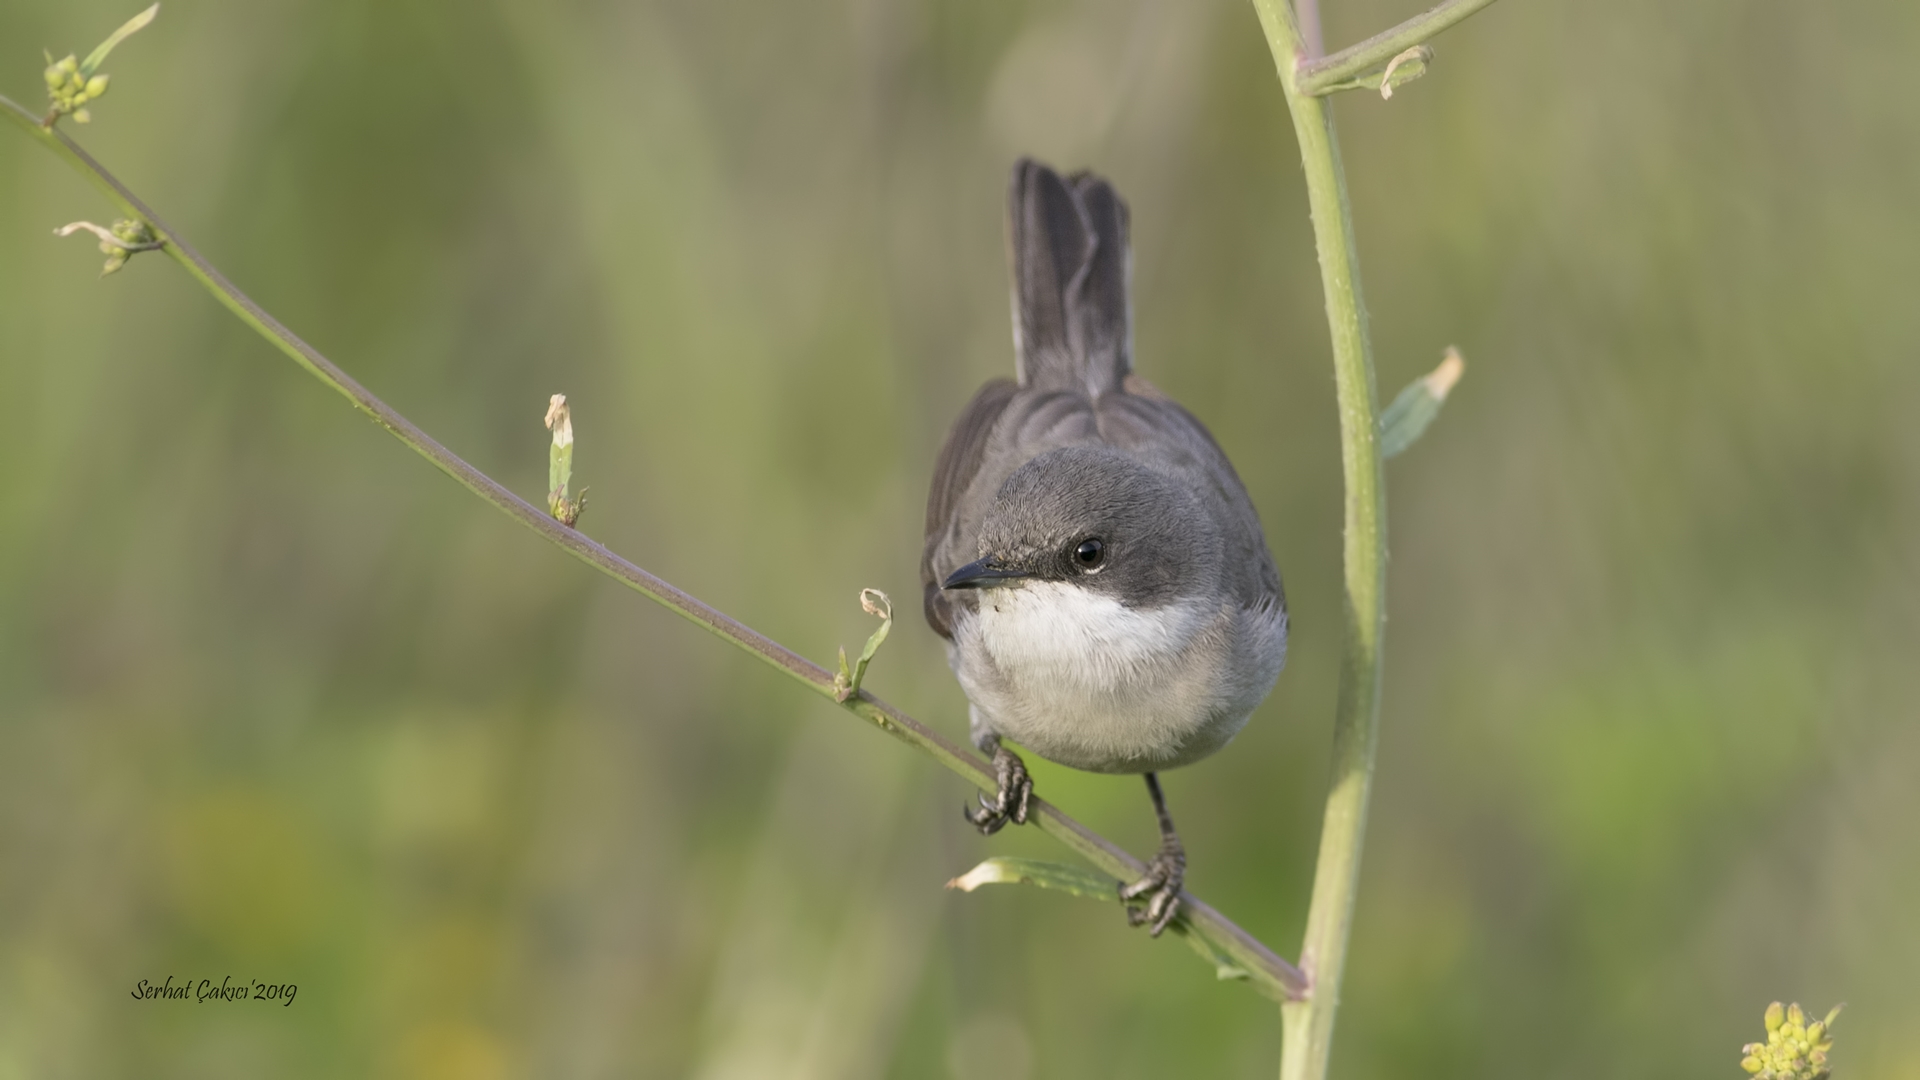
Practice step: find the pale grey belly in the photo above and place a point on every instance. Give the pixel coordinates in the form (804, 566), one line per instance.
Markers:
(1141, 704)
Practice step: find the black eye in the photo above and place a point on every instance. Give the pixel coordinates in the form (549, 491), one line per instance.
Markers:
(1090, 553)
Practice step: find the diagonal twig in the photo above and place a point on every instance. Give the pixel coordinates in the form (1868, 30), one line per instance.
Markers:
(1320, 76)
(1270, 973)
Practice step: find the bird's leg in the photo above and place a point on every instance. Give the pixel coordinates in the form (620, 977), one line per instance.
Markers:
(1016, 788)
(1166, 872)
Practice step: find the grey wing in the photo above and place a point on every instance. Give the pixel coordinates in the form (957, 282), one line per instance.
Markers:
(1255, 578)
(1158, 429)
(953, 473)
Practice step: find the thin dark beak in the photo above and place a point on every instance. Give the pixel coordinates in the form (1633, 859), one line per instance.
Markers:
(983, 574)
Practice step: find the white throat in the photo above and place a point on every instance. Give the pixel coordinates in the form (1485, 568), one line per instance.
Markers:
(1084, 680)
(1060, 631)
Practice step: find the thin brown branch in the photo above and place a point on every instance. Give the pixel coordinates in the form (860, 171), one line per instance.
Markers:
(1273, 974)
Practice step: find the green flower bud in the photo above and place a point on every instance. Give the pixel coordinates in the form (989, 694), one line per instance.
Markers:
(96, 86)
(69, 65)
(1794, 1050)
(83, 117)
(55, 77)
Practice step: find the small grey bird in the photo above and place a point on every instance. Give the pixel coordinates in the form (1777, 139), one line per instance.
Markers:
(1092, 559)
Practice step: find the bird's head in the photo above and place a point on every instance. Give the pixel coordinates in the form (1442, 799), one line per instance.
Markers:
(1095, 518)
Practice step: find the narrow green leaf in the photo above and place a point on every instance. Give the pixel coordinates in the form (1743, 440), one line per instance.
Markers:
(1407, 418)
(561, 454)
(564, 509)
(1011, 870)
(1224, 969)
(1093, 885)
(98, 56)
(560, 470)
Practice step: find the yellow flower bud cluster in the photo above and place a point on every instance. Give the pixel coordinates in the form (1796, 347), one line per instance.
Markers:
(71, 88)
(1794, 1050)
(72, 83)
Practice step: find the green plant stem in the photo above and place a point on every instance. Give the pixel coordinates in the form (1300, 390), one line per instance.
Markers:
(1315, 77)
(1247, 951)
(1308, 1021)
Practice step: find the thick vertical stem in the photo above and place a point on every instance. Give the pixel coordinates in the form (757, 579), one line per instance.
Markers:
(1309, 1023)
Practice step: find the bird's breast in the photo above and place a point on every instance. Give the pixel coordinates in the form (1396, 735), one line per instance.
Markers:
(1084, 680)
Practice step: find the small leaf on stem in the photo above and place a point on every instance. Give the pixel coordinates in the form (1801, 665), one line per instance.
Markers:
(846, 683)
(1009, 870)
(1403, 69)
(1407, 418)
(127, 29)
(560, 464)
(1094, 885)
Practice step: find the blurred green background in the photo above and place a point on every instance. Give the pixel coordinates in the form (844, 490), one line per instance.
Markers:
(278, 701)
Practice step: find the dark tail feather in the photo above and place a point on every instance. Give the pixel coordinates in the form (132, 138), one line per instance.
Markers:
(1067, 240)
(1102, 314)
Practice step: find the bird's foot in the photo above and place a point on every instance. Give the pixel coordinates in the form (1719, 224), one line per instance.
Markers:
(1010, 804)
(1160, 887)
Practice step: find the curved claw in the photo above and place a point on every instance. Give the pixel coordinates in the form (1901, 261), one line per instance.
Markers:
(1166, 873)
(1158, 913)
(1012, 800)
(989, 819)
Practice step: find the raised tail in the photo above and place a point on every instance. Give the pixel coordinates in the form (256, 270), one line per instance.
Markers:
(1072, 268)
